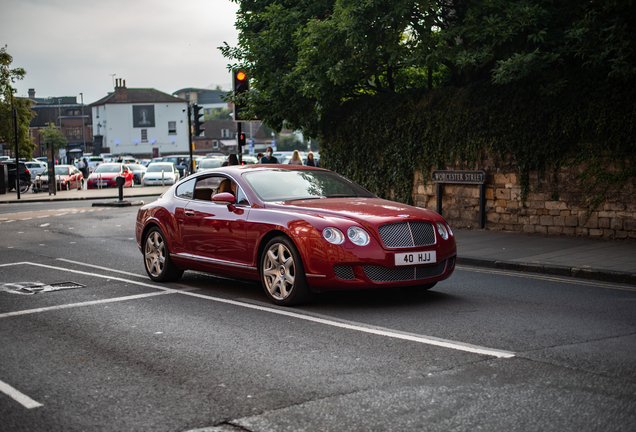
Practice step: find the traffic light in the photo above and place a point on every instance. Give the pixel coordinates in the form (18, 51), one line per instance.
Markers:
(241, 85)
(241, 139)
(198, 121)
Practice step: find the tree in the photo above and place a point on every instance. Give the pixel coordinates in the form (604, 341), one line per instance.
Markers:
(52, 135)
(7, 134)
(219, 114)
(306, 58)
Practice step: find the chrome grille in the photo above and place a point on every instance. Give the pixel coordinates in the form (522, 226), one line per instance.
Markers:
(407, 234)
(344, 272)
(398, 274)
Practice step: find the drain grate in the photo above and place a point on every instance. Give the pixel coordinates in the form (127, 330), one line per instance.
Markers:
(29, 288)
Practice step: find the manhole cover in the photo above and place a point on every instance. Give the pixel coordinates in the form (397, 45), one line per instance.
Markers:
(29, 288)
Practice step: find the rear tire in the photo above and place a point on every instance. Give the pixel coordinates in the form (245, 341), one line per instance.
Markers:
(282, 273)
(157, 261)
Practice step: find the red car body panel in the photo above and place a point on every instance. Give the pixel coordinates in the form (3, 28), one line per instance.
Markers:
(228, 239)
(108, 178)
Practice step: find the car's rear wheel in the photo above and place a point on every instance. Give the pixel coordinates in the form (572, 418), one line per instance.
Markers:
(157, 261)
(282, 273)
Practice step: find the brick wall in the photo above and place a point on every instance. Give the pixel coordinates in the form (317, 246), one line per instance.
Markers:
(551, 208)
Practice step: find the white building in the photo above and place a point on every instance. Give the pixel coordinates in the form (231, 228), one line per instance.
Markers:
(140, 121)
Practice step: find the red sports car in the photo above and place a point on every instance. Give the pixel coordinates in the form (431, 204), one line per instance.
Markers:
(298, 229)
(67, 177)
(105, 174)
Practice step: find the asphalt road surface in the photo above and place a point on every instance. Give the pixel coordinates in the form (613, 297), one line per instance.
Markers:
(89, 342)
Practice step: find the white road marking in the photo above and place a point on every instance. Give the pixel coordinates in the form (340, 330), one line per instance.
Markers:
(379, 331)
(88, 303)
(19, 397)
(101, 268)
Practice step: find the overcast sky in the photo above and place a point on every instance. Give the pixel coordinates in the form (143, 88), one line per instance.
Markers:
(68, 47)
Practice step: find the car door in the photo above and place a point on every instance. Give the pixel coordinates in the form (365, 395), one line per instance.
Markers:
(215, 232)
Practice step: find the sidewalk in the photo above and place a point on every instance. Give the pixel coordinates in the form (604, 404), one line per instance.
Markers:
(85, 194)
(610, 261)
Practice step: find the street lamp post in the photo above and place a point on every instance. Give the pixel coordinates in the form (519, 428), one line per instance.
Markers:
(83, 138)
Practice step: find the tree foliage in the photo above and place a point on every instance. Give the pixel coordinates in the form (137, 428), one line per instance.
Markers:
(354, 72)
(52, 135)
(9, 76)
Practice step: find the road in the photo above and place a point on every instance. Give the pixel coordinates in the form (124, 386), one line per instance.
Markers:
(108, 349)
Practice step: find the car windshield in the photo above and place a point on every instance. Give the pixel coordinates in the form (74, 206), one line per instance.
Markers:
(158, 167)
(286, 185)
(107, 169)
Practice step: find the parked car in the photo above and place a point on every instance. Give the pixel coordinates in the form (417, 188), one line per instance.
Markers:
(138, 172)
(179, 161)
(67, 177)
(108, 157)
(144, 162)
(105, 174)
(297, 229)
(24, 175)
(160, 173)
(36, 167)
(210, 163)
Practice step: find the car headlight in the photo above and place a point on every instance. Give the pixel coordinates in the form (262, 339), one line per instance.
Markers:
(358, 236)
(441, 229)
(333, 235)
(450, 231)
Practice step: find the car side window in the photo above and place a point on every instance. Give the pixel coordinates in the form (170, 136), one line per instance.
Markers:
(185, 189)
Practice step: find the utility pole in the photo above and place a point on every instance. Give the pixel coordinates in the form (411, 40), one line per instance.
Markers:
(17, 155)
(83, 138)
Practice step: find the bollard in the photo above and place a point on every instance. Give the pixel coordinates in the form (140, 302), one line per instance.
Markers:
(120, 181)
(163, 180)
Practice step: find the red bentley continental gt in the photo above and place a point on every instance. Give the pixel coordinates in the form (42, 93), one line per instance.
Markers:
(298, 229)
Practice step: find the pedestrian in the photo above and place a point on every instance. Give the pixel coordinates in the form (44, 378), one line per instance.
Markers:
(231, 160)
(295, 159)
(269, 158)
(83, 167)
(310, 159)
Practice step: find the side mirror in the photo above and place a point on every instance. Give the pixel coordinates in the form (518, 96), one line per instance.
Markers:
(224, 198)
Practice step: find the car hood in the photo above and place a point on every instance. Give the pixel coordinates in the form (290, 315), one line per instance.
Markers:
(370, 210)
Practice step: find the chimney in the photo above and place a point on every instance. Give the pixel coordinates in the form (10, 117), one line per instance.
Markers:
(31, 93)
(121, 93)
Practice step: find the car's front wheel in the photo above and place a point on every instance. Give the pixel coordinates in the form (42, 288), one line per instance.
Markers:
(282, 273)
(158, 263)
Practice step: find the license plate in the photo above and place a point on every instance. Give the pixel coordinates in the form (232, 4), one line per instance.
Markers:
(415, 258)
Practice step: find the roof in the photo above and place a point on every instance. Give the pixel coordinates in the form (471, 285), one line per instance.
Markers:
(140, 95)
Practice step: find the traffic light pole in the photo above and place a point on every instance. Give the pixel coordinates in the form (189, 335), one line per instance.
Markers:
(190, 138)
(238, 142)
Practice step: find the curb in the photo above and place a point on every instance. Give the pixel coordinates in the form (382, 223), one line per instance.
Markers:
(555, 270)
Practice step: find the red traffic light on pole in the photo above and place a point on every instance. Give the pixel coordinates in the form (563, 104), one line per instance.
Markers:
(241, 85)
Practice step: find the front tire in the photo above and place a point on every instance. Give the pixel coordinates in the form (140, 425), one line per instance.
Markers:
(157, 261)
(282, 273)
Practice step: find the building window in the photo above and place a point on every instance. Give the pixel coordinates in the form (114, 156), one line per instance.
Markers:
(73, 112)
(225, 133)
(144, 135)
(74, 132)
(187, 95)
(215, 144)
(172, 128)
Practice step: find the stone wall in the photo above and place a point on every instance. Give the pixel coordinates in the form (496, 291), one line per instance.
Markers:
(553, 207)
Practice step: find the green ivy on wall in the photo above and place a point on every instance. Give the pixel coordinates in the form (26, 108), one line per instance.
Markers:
(382, 141)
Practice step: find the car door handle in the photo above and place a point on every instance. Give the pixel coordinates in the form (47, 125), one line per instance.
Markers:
(189, 213)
